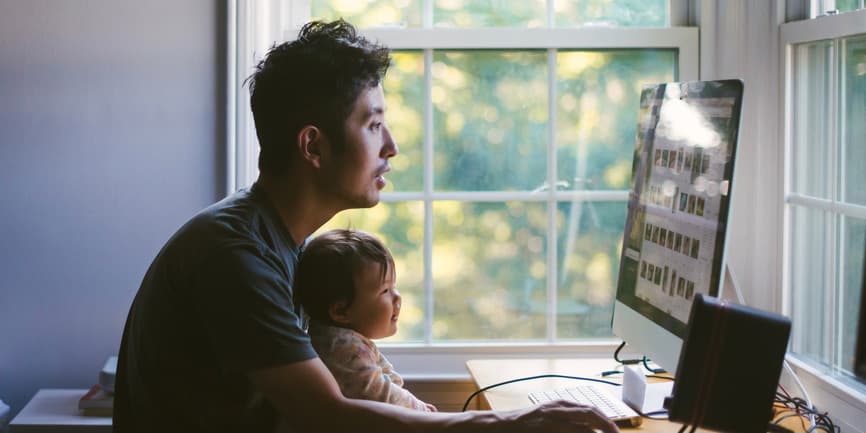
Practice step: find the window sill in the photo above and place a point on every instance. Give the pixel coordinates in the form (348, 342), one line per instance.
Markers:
(447, 362)
(831, 390)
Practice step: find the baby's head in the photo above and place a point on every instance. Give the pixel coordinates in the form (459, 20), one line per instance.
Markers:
(346, 278)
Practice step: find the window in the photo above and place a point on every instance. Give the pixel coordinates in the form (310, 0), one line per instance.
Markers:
(829, 7)
(825, 199)
(516, 124)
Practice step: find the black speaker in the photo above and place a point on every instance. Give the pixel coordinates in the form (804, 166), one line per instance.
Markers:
(729, 367)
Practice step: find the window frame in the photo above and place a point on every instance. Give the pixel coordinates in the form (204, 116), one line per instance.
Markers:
(279, 20)
(828, 382)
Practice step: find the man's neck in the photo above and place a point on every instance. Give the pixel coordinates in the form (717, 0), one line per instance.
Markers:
(298, 205)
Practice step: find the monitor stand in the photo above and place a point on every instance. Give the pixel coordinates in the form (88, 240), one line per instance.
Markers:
(730, 289)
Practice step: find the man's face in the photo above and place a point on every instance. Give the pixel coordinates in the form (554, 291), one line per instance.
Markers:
(355, 175)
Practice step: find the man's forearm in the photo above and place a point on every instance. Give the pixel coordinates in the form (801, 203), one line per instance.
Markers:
(366, 415)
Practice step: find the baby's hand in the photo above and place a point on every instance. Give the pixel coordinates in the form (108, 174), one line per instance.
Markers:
(431, 408)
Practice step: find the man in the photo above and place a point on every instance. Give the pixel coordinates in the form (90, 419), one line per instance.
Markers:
(212, 341)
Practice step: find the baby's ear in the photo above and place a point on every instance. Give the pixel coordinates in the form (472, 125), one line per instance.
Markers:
(338, 312)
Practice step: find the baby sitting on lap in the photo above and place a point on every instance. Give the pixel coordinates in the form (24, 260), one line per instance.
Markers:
(345, 283)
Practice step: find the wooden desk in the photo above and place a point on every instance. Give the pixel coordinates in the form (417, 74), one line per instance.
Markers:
(514, 396)
(56, 410)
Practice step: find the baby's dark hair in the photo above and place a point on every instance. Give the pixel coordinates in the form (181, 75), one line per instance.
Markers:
(328, 267)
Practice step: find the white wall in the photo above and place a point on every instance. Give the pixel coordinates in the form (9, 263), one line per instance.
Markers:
(111, 136)
(739, 39)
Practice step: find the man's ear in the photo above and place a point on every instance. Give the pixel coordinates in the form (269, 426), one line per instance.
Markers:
(311, 144)
(339, 312)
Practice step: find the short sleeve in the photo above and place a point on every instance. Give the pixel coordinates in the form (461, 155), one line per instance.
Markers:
(243, 300)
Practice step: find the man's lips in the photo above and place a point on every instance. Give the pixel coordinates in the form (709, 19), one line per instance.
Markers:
(380, 176)
(381, 172)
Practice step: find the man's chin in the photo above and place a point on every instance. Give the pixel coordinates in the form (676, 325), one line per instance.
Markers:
(360, 202)
(369, 201)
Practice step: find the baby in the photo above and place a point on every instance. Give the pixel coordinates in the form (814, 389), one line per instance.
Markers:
(345, 283)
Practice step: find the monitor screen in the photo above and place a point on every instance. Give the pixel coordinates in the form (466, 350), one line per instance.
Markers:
(674, 239)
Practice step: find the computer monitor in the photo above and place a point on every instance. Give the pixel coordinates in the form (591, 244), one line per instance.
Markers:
(674, 238)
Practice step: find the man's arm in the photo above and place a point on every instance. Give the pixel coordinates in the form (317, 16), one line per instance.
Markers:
(306, 394)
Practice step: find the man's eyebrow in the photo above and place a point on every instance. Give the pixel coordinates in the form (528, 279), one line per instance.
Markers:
(374, 111)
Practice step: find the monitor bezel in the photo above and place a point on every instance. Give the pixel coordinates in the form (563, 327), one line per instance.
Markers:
(644, 327)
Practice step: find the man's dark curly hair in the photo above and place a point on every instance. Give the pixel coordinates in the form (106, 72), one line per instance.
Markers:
(313, 80)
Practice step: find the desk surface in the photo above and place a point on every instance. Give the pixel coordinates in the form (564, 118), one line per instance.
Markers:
(57, 410)
(514, 396)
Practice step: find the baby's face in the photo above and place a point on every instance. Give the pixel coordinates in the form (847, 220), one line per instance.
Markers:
(376, 306)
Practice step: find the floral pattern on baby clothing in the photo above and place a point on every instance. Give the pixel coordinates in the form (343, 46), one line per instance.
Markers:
(360, 369)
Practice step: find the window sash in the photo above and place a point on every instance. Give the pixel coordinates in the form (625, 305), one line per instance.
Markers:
(832, 205)
(278, 20)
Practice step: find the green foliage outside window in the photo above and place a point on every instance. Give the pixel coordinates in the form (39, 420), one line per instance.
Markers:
(491, 122)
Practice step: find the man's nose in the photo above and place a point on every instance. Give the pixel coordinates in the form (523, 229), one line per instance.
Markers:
(390, 148)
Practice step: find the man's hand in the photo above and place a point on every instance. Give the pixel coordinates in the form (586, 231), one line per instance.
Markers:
(560, 416)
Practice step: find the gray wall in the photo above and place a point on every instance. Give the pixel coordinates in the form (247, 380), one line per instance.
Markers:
(111, 136)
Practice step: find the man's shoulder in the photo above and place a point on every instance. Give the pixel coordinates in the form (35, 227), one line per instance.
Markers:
(234, 220)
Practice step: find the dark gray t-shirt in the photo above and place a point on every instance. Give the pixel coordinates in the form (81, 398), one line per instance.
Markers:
(215, 304)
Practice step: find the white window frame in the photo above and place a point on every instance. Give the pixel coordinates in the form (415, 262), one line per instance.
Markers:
(845, 398)
(278, 20)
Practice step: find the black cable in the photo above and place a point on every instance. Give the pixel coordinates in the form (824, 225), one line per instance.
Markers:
(683, 428)
(654, 370)
(621, 361)
(624, 361)
(541, 376)
(633, 361)
(653, 414)
(800, 408)
(661, 377)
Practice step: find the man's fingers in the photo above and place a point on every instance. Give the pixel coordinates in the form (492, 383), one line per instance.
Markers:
(601, 422)
(588, 416)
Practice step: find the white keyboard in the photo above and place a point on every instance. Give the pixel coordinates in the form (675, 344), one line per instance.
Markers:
(592, 395)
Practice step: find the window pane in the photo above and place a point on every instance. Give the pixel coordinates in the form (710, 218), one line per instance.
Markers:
(589, 238)
(847, 5)
(370, 13)
(809, 283)
(598, 94)
(490, 120)
(489, 271)
(853, 249)
(400, 226)
(404, 97)
(489, 13)
(853, 114)
(640, 13)
(811, 137)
